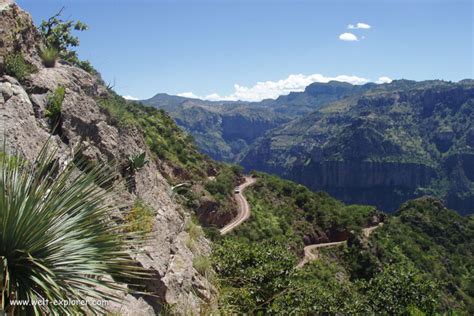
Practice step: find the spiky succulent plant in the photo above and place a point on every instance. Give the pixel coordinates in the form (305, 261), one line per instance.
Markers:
(57, 241)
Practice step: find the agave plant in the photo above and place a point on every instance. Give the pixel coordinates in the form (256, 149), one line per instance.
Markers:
(138, 161)
(57, 242)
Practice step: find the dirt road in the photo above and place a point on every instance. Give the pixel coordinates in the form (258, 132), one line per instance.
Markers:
(311, 253)
(243, 207)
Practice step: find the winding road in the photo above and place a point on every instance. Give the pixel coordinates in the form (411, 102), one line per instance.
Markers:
(243, 207)
(311, 253)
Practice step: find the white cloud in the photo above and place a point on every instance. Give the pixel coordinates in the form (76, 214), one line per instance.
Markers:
(129, 97)
(348, 37)
(273, 89)
(383, 79)
(359, 25)
(188, 95)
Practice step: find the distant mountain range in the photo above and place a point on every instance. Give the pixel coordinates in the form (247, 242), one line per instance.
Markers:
(372, 144)
(225, 129)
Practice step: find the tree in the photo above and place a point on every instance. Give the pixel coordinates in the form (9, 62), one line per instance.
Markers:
(57, 34)
(252, 274)
(398, 288)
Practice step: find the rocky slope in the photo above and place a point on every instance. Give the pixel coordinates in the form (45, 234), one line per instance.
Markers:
(392, 143)
(85, 123)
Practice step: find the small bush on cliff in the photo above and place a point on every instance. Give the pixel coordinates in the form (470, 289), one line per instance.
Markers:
(141, 218)
(16, 66)
(49, 55)
(202, 264)
(54, 107)
(57, 241)
(55, 102)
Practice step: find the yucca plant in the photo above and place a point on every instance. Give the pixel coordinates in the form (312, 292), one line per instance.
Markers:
(57, 241)
(49, 55)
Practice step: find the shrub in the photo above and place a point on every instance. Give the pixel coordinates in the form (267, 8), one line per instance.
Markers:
(398, 288)
(140, 218)
(57, 241)
(202, 264)
(87, 66)
(49, 55)
(57, 33)
(16, 66)
(54, 105)
(194, 230)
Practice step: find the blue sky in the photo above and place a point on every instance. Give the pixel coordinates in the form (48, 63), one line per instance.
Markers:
(222, 49)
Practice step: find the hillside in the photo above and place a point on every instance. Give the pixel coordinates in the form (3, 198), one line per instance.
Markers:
(290, 213)
(224, 129)
(419, 261)
(162, 188)
(89, 125)
(389, 144)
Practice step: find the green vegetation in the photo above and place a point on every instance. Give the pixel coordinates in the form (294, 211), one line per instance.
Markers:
(54, 103)
(165, 140)
(138, 161)
(436, 241)
(59, 40)
(419, 262)
(56, 234)
(251, 274)
(223, 185)
(141, 217)
(261, 278)
(286, 212)
(49, 55)
(194, 230)
(57, 34)
(16, 66)
(203, 265)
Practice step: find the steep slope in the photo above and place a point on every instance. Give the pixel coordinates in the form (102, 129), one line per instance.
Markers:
(419, 261)
(392, 143)
(97, 126)
(224, 129)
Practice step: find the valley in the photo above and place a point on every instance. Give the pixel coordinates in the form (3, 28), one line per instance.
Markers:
(336, 198)
(370, 144)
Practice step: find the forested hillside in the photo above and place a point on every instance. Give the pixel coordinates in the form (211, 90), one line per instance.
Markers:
(421, 258)
(394, 142)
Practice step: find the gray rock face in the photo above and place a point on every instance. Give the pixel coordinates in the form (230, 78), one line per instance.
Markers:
(85, 124)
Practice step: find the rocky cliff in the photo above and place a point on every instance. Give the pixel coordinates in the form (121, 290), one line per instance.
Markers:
(394, 142)
(85, 124)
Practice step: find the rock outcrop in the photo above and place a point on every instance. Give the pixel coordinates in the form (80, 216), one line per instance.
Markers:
(85, 124)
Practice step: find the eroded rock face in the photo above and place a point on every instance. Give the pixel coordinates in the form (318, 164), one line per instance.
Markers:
(85, 124)
(396, 142)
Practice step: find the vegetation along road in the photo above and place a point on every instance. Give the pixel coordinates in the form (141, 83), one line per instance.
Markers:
(243, 207)
(311, 253)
